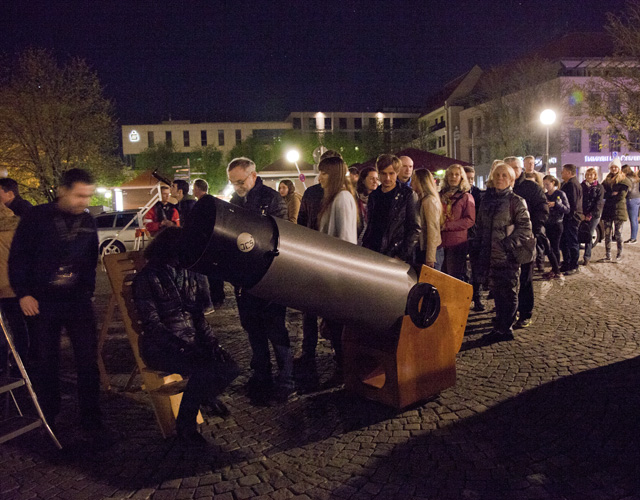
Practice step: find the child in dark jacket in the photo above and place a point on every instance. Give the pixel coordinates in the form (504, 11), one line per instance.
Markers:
(558, 207)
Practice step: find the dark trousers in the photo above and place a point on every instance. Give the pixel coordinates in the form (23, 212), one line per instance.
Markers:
(570, 243)
(455, 261)
(14, 320)
(216, 289)
(543, 242)
(503, 283)
(208, 378)
(44, 357)
(525, 295)
(264, 322)
(554, 233)
(593, 223)
(615, 227)
(332, 330)
(309, 334)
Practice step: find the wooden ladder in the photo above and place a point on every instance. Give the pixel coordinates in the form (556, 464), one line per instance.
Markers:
(164, 389)
(15, 426)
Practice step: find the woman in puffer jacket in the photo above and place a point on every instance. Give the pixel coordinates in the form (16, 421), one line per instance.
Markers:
(502, 224)
(614, 213)
(176, 337)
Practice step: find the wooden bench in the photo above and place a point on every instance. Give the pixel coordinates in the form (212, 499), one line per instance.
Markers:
(164, 389)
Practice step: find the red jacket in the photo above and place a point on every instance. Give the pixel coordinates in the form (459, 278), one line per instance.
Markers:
(458, 218)
(157, 214)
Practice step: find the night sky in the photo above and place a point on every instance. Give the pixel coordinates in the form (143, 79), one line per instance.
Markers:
(259, 60)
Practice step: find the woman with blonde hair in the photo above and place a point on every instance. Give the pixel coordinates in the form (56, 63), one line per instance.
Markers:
(459, 214)
(430, 213)
(503, 224)
(287, 190)
(338, 217)
(592, 202)
(614, 213)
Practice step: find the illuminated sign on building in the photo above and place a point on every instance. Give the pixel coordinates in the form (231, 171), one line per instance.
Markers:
(134, 136)
(607, 158)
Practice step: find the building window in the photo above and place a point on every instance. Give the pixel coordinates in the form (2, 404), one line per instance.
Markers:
(575, 140)
(357, 123)
(297, 123)
(634, 140)
(203, 137)
(439, 140)
(478, 128)
(327, 123)
(470, 127)
(312, 123)
(238, 136)
(167, 137)
(342, 123)
(614, 103)
(373, 123)
(614, 143)
(150, 139)
(387, 123)
(220, 137)
(185, 138)
(595, 144)
(444, 141)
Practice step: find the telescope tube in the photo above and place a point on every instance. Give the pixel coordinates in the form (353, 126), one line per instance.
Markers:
(297, 267)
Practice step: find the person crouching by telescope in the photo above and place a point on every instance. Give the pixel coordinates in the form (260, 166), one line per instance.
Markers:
(176, 337)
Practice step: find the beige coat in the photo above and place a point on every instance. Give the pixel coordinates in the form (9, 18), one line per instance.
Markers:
(430, 215)
(293, 207)
(8, 225)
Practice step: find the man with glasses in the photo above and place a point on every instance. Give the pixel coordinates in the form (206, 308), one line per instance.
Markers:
(264, 321)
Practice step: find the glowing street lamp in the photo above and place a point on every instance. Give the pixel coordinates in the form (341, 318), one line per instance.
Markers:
(293, 156)
(547, 118)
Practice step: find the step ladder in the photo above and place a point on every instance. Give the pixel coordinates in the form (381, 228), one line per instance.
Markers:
(20, 424)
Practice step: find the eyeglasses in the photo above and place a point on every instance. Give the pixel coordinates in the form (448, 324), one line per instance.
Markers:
(241, 183)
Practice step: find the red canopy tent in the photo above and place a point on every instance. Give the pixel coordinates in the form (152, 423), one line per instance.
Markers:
(422, 159)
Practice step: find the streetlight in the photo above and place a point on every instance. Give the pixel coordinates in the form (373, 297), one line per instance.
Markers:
(293, 156)
(547, 118)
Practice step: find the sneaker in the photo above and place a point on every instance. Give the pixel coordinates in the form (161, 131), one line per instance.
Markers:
(569, 272)
(498, 336)
(618, 258)
(631, 241)
(523, 323)
(606, 258)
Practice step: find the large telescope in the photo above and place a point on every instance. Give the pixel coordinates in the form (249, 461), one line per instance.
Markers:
(375, 296)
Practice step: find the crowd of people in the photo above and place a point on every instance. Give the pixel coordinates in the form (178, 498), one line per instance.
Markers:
(494, 239)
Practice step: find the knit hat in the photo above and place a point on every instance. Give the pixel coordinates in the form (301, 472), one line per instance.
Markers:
(616, 161)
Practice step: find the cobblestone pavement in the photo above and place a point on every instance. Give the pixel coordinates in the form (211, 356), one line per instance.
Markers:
(553, 414)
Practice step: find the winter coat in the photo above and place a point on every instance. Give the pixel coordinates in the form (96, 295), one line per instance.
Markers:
(41, 246)
(592, 199)
(262, 200)
(184, 207)
(459, 216)
(503, 223)
(19, 206)
(8, 224)
(574, 196)
(403, 228)
(310, 206)
(536, 201)
(340, 219)
(293, 207)
(170, 302)
(430, 238)
(158, 213)
(560, 209)
(615, 205)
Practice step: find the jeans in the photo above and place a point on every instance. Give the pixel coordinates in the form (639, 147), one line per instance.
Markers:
(633, 205)
(593, 223)
(439, 258)
(45, 330)
(455, 261)
(616, 226)
(554, 234)
(570, 243)
(264, 322)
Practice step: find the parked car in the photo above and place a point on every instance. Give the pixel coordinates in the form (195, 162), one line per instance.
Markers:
(110, 224)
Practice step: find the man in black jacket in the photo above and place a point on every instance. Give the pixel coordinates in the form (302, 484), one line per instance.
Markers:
(180, 191)
(538, 213)
(10, 196)
(52, 269)
(264, 321)
(570, 244)
(393, 228)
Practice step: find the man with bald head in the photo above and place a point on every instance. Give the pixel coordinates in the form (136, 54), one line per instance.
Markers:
(404, 175)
